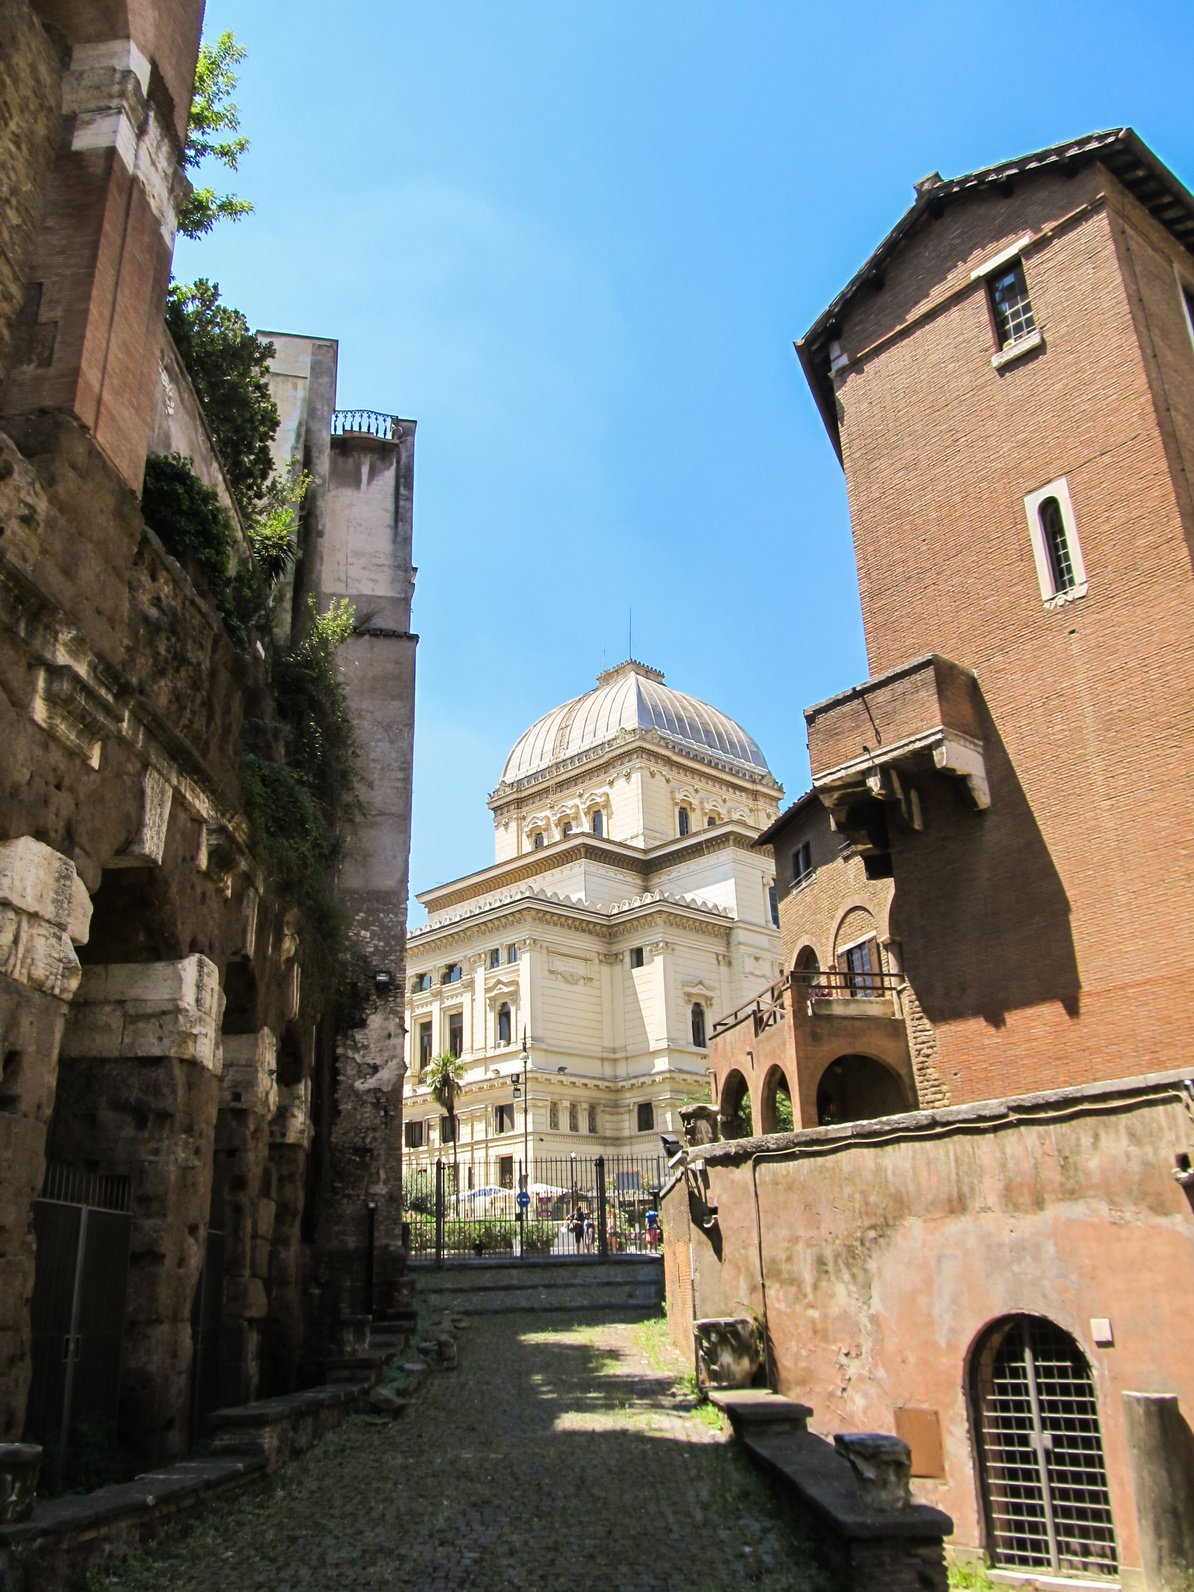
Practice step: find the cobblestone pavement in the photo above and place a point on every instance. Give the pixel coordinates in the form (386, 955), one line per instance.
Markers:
(560, 1455)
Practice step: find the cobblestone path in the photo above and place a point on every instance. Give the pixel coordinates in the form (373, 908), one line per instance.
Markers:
(559, 1456)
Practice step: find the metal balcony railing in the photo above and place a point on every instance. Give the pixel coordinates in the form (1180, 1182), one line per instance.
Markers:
(366, 422)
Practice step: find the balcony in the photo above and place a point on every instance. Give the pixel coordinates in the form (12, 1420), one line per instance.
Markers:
(869, 744)
(366, 423)
(825, 993)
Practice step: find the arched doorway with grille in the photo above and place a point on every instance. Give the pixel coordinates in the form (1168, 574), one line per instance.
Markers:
(1040, 1450)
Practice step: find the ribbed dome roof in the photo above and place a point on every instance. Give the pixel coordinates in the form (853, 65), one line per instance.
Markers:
(632, 697)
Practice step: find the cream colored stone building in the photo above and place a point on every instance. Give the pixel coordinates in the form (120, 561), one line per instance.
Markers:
(625, 909)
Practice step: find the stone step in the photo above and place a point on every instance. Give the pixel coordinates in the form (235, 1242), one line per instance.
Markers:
(481, 1289)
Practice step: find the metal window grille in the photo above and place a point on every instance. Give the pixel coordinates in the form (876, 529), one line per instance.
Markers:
(1044, 1476)
(1057, 545)
(1012, 306)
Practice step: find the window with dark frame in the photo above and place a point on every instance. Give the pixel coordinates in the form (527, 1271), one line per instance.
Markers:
(449, 1129)
(506, 1171)
(424, 1045)
(599, 823)
(495, 957)
(566, 828)
(412, 1135)
(637, 957)
(503, 1024)
(698, 1026)
(452, 974)
(773, 905)
(592, 1119)
(1010, 304)
(421, 982)
(1057, 545)
(512, 953)
(553, 1116)
(645, 1117)
(455, 1032)
(802, 862)
(538, 840)
(573, 1119)
(682, 821)
(503, 1120)
(860, 963)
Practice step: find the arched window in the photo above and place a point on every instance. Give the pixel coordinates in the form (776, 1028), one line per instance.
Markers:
(698, 1025)
(599, 823)
(683, 821)
(1043, 1474)
(503, 1024)
(1057, 545)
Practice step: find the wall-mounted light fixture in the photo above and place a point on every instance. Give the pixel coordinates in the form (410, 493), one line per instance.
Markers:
(383, 980)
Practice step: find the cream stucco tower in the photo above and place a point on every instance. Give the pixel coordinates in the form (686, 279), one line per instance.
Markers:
(626, 908)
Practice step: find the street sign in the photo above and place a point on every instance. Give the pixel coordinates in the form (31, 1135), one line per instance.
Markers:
(522, 1199)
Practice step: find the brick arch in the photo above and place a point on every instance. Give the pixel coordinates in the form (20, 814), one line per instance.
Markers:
(735, 1107)
(857, 1088)
(806, 960)
(775, 1085)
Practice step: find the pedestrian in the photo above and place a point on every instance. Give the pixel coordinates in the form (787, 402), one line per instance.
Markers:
(654, 1233)
(576, 1225)
(589, 1231)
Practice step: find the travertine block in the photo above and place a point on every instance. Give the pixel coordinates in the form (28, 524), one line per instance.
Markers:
(147, 1009)
(44, 907)
(250, 1073)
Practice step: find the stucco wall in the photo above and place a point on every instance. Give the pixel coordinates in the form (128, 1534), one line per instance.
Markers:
(887, 1249)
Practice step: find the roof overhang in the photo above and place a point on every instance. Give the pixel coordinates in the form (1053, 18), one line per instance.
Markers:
(1124, 154)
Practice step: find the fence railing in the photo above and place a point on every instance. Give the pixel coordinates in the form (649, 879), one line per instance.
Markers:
(816, 984)
(366, 422)
(567, 1206)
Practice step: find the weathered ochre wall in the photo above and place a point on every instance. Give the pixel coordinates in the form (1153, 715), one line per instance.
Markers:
(885, 1255)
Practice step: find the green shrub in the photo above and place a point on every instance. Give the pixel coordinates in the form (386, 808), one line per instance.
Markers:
(194, 526)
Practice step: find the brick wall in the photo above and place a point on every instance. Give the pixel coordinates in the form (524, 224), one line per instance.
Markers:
(1035, 934)
(29, 110)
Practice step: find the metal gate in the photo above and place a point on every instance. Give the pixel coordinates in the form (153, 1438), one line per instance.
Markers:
(569, 1206)
(1041, 1452)
(82, 1223)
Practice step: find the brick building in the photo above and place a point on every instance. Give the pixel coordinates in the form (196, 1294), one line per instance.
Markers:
(1009, 384)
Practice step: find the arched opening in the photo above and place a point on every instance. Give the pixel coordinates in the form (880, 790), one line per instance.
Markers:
(856, 1088)
(698, 1026)
(776, 1103)
(1042, 1472)
(807, 961)
(133, 919)
(240, 999)
(734, 1107)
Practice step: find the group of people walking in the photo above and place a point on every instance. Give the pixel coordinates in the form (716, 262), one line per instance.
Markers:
(582, 1225)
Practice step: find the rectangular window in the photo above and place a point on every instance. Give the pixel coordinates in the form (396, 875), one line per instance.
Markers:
(1061, 574)
(553, 1116)
(506, 1171)
(1010, 304)
(412, 1135)
(512, 953)
(592, 1119)
(456, 1032)
(636, 956)
(573, 1119)
(503, 1120)
(645, 1117)
(773, 905)
(495, 957)
(860, 963)
(448, 1129)
(424, 1050)
(802, 862)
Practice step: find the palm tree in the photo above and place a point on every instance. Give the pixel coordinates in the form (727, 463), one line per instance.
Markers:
(444, 1075)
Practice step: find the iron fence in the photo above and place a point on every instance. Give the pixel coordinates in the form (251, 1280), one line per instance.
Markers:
(566, 1207)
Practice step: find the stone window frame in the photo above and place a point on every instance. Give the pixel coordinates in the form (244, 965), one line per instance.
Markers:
(644, 1117)
(1051, 595)
(553, 1116)
(505, 1118)
(1009, 261)
(637, 956)
(591, 1119)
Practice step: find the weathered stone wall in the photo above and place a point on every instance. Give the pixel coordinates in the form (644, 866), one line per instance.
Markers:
(30, 102)
(888, 1247)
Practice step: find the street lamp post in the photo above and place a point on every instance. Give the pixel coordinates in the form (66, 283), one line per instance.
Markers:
(525, 1059)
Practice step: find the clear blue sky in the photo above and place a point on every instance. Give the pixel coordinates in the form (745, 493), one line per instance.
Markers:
(575, 243)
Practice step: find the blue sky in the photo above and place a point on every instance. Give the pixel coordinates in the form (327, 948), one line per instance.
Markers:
(575, 243)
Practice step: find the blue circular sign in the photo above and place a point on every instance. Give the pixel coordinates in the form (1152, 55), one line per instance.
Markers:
(522, 1199)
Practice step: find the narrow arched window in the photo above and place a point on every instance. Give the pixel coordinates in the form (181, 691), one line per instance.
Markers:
(698, 1025)
(599, 823)
(503, 1024)
(683, 820)
(1057, 544)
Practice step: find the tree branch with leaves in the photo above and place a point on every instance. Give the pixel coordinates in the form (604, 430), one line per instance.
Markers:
(213, 133)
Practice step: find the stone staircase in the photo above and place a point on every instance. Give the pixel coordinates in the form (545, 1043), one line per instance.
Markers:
(632, 1283)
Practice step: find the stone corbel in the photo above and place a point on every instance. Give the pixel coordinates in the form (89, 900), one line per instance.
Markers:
(45, 912)
(963, 758)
